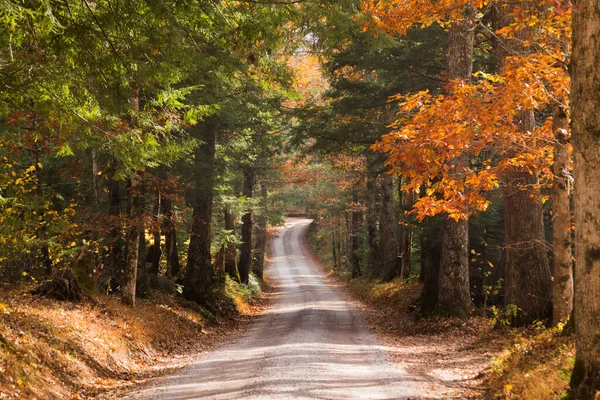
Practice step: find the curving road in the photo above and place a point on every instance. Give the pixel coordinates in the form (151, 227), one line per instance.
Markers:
(310, 344)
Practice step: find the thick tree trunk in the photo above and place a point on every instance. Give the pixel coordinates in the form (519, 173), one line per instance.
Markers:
(562, 284)
(528, 282)
(373, 254)
(246, 246)
(454, 296)
(585, 380)
(231, 267)
(133, 241)
(430, 267)
(261, 234)
(199, 269)
(387, 226)
(170, 232)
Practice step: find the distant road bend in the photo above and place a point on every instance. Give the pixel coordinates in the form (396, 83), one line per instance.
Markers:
(310, 344)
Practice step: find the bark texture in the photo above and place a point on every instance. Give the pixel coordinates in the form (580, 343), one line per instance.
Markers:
(528, 282)
(562, 284)
(387, 224)
(246, 246)
(585, 102)
(199, 269)
(430, 266)
(454, 295)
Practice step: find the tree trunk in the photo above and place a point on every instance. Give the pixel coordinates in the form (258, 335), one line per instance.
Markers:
(338, 232)
(156, 252)
(246, 246)
(357, 219)
(562, 285)
(170, 232)
(454, 296)
(261, 234)
(430, 267)
(373, 255)
(142, 253)
(585, 380)
(199, 269)
(115, 241)
(134, 219)
(348, 240)
(231, 267)
(406, 203)
(132, 241)
(95, 174)
(334, 248)
(387, 227)
(528, 282)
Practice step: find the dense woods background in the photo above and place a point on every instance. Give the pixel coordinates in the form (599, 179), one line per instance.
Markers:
(147, 145)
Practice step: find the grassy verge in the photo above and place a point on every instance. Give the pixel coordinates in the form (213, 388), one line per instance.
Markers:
(529, 363)
(58, 350)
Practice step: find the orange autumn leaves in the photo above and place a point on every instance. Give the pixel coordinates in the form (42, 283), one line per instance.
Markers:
(478, 120)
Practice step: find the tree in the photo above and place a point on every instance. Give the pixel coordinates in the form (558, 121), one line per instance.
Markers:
(562, 283)
(454, 291)
(245, 262)
(585, 102)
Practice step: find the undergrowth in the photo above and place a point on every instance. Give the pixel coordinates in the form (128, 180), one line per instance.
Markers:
(53, 349)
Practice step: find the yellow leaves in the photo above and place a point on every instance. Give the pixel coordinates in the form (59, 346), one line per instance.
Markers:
(5, 309)
(494, 78)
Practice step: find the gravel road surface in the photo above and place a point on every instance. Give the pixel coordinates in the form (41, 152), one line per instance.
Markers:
(310, 344)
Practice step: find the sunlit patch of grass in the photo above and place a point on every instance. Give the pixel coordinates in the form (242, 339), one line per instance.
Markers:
(535, 364)
(242, 295)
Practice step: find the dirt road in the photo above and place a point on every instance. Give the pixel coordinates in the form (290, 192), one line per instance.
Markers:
(311, 344)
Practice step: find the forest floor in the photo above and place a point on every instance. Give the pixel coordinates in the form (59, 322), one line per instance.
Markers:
(102, 349)
(459, 359)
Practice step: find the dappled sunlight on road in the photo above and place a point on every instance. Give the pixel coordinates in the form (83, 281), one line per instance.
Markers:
(311, 344)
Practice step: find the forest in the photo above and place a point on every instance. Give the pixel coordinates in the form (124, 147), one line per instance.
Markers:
(450, 149)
